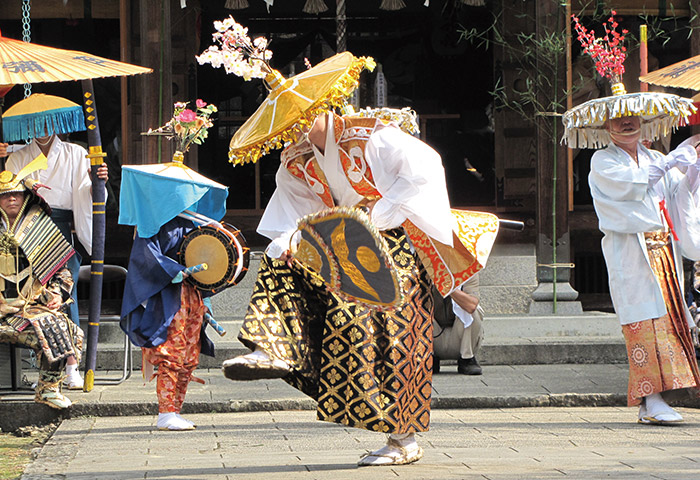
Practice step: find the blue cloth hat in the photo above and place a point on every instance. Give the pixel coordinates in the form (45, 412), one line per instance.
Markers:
(152, 195)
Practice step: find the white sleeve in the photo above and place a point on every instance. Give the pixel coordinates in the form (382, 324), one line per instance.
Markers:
(291, 200)
(621, 196)
(82, 194)
(464, 316)
(411, 179)
(684, 207)
(18, 160)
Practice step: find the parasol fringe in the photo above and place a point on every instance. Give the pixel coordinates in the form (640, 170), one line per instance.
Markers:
(236, 4)
(392, 5)
(336, 97)
(661, 113)
(314, 7)
(31, 125)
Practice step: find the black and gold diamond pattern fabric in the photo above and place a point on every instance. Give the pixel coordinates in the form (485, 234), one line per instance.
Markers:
(365, 369)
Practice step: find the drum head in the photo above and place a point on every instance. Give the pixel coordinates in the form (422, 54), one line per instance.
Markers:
(225, 252)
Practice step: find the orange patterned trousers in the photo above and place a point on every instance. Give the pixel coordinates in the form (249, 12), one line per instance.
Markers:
(660, 350)
(178, 356)
(657, 360)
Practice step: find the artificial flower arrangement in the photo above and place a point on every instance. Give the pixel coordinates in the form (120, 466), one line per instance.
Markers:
(237, 53)
(608, 52)
(301, 98)
(187, 126)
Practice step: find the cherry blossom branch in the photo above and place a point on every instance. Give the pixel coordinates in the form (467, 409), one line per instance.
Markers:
(608, 52)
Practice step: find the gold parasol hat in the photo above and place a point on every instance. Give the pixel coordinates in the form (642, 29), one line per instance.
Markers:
(660, 113)
(22, 62)
(292, 104)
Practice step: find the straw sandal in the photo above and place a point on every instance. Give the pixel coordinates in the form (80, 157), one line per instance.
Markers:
(48, 391)
(395, 452)
(254, 366)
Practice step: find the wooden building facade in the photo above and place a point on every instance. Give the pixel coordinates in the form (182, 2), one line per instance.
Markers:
(496, 158)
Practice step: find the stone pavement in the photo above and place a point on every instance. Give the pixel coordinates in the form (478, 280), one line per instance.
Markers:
(493, 444)
(501, 386)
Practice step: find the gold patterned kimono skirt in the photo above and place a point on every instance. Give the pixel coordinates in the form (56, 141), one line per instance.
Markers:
(660, 350)
(365, 369)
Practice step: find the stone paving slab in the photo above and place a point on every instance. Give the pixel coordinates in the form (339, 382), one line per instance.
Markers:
(493, 444)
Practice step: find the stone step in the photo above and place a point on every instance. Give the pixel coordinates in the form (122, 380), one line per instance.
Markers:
(517, 325)
(515, 339)
(535, 351)
(524, 326)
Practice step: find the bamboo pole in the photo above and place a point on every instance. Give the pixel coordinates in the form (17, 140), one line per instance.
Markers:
(569, 104)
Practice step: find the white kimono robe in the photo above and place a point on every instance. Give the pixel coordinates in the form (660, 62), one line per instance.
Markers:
(69, 181)
(407, 173)
(627, 207)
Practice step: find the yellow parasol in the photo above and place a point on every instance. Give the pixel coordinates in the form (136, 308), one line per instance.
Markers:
(22, 62)
(685, 74)
(293, 103)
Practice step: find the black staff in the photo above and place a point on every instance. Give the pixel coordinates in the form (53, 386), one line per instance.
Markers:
(96, 157)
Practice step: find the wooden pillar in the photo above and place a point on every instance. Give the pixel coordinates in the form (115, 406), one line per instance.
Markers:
(124, 56)
(157, 99)
(554, 293)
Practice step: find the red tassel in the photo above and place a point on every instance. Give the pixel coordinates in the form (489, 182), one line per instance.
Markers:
(662, 205)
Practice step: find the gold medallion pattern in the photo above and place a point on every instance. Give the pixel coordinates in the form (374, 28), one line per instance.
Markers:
(365, 369)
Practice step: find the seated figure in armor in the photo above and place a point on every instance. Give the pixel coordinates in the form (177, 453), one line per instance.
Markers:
(35, 284)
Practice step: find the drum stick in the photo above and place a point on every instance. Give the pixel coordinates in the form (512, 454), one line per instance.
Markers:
(511, 224)
(201, 220)
(214, 324)
(194, 269)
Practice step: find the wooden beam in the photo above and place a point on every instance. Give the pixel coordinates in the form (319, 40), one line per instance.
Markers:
(664, 8)
(124, 90)
(12, 9)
